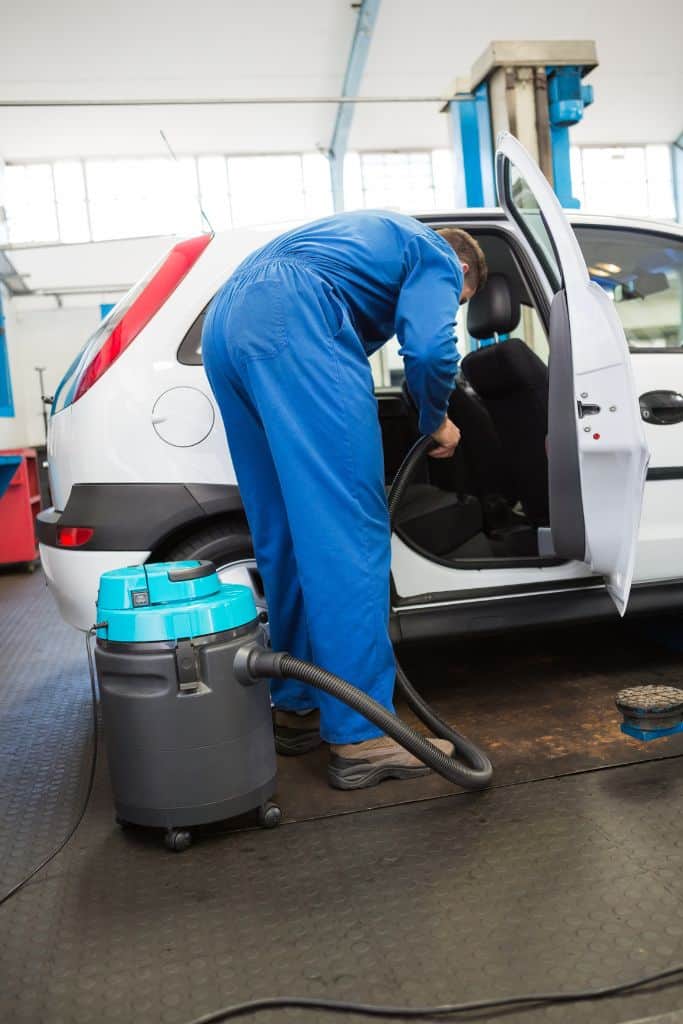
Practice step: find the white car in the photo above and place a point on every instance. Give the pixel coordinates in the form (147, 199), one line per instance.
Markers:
(536, 518)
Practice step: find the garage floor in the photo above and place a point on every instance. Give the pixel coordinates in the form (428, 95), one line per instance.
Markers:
(568, 873)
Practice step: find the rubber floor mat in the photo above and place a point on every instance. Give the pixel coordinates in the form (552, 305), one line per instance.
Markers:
(559, 884)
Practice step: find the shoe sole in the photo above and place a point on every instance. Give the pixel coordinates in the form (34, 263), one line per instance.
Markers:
(294, 746)
(362, 776)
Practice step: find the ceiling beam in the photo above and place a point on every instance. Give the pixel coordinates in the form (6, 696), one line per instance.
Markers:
(355, 66)
(222, 101)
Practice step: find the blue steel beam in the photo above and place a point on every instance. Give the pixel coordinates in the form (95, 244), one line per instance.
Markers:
(355, 66)
(6, 400)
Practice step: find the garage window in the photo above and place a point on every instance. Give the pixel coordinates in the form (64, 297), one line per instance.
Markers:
(627, 181)
(418, 180)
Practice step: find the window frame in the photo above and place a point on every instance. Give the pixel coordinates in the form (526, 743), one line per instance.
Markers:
(556, 283)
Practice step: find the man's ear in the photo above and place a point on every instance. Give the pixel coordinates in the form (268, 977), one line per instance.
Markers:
(465, 269)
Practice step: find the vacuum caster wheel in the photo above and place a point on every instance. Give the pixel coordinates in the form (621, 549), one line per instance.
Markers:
(177, 839)
(269, 815)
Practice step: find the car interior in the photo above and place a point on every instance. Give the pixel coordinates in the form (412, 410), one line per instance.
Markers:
(484, 507)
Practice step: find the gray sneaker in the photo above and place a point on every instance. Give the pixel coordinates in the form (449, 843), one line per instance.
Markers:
(359, 765)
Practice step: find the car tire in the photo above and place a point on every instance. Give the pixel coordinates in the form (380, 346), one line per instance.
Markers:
(227, 543)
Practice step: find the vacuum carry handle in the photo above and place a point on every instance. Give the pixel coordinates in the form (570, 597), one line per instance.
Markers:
(192, 572)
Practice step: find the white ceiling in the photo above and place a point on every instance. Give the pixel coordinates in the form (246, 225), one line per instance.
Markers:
(166, 48)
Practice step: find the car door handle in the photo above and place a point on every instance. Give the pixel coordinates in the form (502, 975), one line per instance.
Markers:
(587, 410)
(661, 407)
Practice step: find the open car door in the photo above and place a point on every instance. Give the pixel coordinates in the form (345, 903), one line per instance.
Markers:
(597, 453)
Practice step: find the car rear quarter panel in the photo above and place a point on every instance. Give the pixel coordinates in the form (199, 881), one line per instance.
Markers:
(107, 436)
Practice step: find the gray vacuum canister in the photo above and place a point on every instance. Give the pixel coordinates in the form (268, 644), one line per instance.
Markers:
(187, 743)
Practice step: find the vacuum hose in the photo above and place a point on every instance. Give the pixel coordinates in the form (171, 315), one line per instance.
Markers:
(480, 772)
(468, 767)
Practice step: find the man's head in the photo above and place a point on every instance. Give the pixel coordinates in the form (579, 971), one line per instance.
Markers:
(471, 256)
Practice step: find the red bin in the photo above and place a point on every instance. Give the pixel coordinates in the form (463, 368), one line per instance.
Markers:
(19, 505)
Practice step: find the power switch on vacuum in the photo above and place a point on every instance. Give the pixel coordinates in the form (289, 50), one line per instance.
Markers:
(186, 667)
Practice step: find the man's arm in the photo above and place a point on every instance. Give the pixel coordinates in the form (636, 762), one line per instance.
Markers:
(425, 327)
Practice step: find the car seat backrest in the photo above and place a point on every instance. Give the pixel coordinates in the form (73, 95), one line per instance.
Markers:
(512, 382)
(506, 369)
(493, 310)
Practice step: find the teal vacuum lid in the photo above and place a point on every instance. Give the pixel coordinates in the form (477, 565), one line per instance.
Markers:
(169, 601)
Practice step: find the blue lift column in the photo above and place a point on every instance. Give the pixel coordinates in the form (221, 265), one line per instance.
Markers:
(567, 99)
(535, 90)
(471, 139)
(473, 164)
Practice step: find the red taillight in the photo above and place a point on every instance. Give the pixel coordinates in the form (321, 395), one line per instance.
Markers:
(161, 285)
(73, 536)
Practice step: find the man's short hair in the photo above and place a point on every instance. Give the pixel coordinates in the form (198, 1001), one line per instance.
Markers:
(468, 251)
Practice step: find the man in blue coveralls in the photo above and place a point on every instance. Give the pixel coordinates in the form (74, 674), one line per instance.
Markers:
(285, 344)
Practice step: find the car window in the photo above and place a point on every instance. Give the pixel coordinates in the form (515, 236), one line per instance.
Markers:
(525, 209)
(642, 272)
(531, 330)
(190, 351)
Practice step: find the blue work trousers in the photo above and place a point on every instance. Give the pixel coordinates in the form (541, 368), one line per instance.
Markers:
(294, 387)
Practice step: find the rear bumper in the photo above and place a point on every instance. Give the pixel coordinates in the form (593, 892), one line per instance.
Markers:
(127, 517)
(73, 578)
(129, 521)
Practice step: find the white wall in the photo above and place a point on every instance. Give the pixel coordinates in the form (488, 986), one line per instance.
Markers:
(41, 332)
(49, 338)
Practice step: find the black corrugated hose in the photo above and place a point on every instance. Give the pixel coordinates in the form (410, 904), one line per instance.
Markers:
(468, 767)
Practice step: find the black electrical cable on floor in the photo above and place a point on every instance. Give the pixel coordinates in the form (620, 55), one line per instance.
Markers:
(339, 1006)
(91, 779)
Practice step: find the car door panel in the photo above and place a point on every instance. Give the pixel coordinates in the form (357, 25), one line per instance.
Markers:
(597, 448)
(640, 268)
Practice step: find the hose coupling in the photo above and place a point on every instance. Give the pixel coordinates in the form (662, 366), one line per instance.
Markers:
(253, 662)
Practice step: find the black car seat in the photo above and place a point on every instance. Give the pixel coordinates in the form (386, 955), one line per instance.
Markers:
(512, 382)
(478, 466)
(438, 521)
(438, 512)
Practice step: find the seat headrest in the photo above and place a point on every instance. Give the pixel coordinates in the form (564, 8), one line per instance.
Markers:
(501, 370)
(494, 309)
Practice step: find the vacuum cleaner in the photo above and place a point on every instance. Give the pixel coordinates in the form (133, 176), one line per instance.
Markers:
(182, 662)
